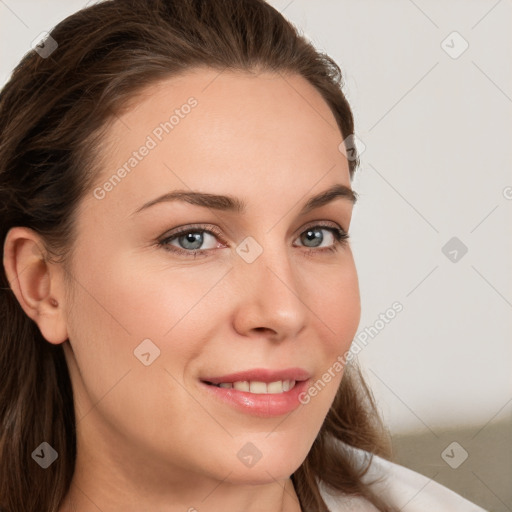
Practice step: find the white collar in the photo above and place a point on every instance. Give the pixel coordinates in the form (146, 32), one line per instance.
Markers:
(400, 487)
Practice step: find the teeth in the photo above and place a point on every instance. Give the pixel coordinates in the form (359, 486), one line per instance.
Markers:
(260, 388)
(241, 385)
(274, 387)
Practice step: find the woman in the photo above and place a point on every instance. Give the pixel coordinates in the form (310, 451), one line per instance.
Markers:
(179, 294)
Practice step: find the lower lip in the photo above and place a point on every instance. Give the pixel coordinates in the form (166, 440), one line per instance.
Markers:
(265, 405)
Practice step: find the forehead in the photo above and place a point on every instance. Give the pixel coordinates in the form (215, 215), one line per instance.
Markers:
(206, 128)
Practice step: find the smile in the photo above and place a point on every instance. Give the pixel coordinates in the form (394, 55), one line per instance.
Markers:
(259, 392)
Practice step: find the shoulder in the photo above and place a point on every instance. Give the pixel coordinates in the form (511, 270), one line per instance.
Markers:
(402, 488)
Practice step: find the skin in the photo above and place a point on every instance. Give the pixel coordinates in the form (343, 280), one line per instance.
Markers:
(149, 438)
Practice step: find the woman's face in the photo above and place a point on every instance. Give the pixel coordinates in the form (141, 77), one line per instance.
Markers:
(149, 321)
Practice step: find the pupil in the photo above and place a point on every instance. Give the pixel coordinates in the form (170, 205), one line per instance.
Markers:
(314, 235)
(192, 238)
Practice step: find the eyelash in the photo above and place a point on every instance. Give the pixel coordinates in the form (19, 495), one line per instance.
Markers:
(340, 239)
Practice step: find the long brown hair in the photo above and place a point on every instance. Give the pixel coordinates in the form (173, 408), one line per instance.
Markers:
(53, 111)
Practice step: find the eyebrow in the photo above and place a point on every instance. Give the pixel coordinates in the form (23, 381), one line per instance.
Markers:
(234, 204)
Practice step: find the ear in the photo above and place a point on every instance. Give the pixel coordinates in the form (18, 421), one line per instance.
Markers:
(37, 284)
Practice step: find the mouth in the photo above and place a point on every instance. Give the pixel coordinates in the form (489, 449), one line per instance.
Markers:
(259, 392)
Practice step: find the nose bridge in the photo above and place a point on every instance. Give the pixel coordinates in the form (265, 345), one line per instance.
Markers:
(270, 291)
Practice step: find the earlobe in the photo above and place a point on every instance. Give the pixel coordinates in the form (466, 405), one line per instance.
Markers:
(36, 283)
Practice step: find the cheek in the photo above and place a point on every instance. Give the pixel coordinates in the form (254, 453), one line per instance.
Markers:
(119, 303)
(337, 310)
(123, 297)
(336, 305)
(113, 313)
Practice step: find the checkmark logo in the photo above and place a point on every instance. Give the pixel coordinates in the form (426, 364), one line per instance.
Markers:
(44, 44)
(146, 352)
(454, 455)
(454, 249)
(249, 455)
(45, 455)
(454, 45)
(352, 147)
(249, 249)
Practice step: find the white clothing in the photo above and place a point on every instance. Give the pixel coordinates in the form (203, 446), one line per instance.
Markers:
(403, 488)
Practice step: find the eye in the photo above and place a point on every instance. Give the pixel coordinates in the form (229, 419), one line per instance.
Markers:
(313, 238)
(190, 241)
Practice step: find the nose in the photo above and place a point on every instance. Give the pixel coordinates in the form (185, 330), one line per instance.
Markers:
(270, 297)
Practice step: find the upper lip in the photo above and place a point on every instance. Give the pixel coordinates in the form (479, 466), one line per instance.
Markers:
(261, 375)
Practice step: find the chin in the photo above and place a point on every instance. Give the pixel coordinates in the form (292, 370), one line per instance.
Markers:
(262, 474)
(263, 461)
